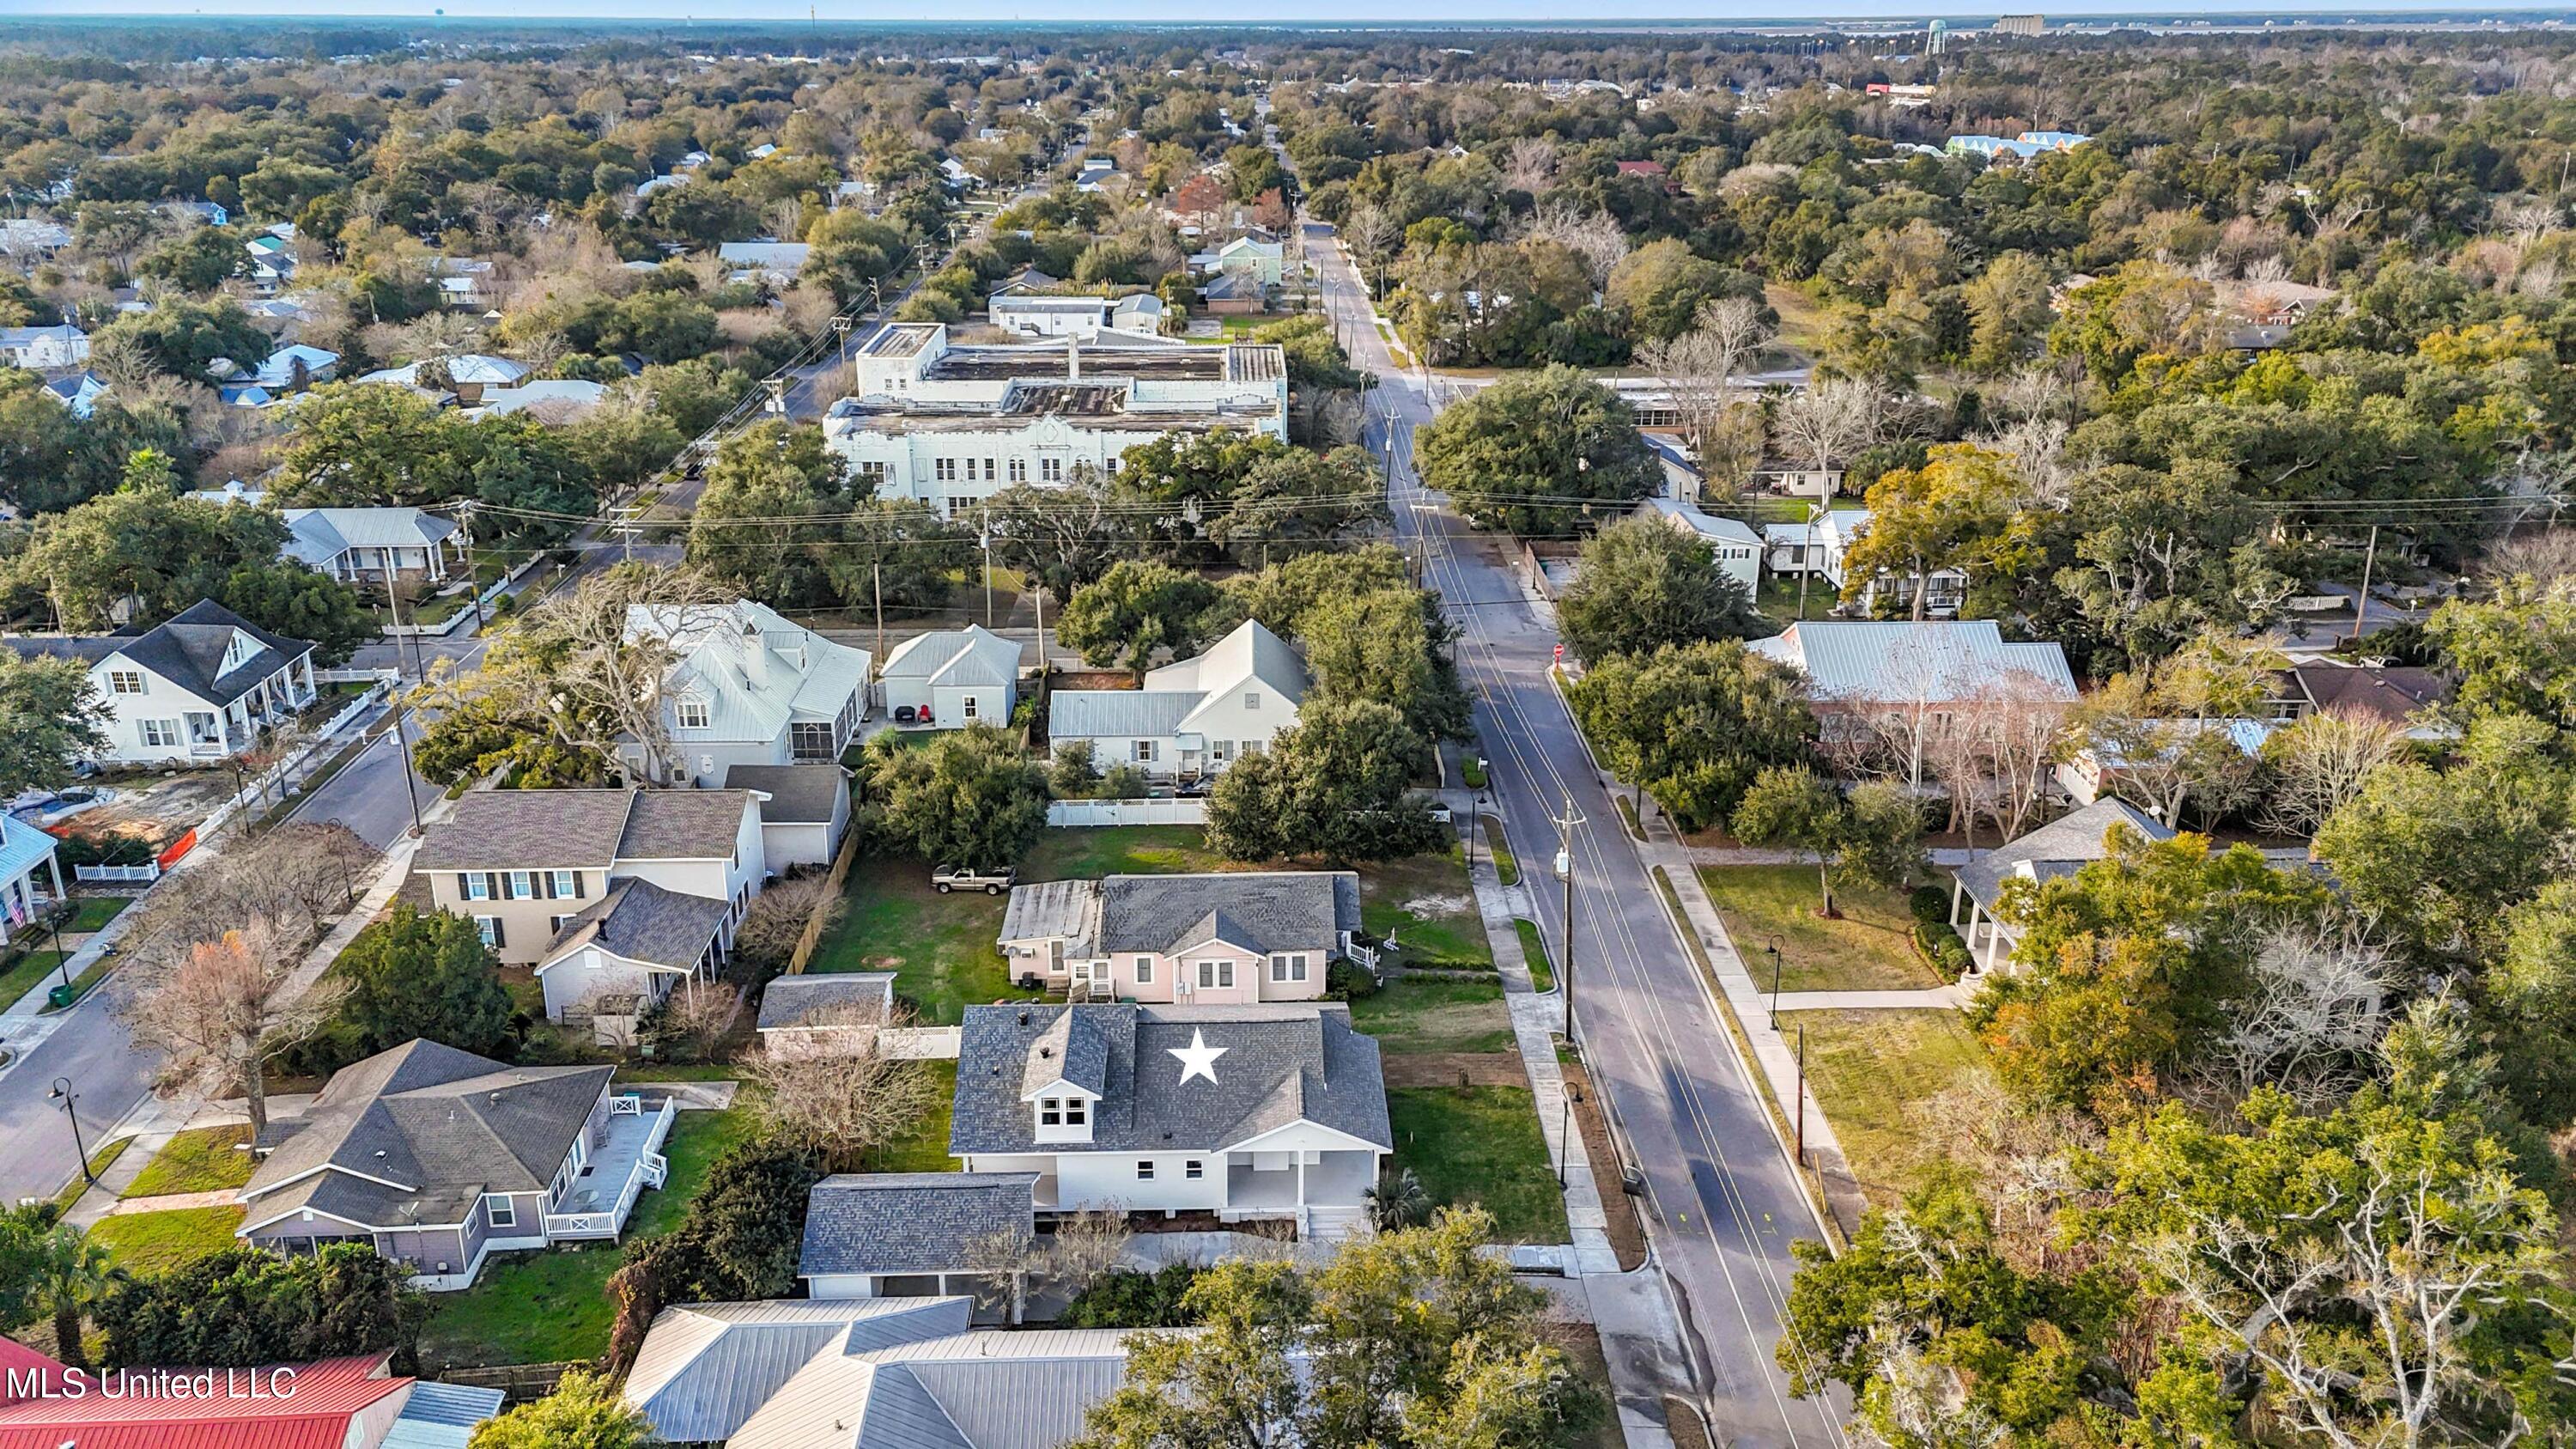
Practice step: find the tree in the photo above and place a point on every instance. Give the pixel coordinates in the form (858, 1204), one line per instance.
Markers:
(1960, 510)
(1693, 725)
(414, 975)
(2163, 735)
(1136, 609)
(1336, 785)
(225, 1008)
(184, 338)
(2319, 763)
(739, 1241)
(2515, 653)
(899, 551)
(584, 1412)
(1391, 645)
(350, 445)
(244, 1307)
(51, 717)
(779, 917)
(197, 260)
(1230, 1385)
(1642, 584)
(2312, 1013)
(1664, 288)
(970, 797)
(1872, 837)
(1699, 367)
(1528, 452)
(835, 1088)
(2008, 311)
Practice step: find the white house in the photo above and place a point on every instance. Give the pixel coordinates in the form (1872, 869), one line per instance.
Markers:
(774, 262)
(296, 365)
(1819, 546)
(1737, 547)
(1264, 261)
(552, 400)
(367, 544)
(952, 425)
(2061, 847)
(23, 236)
(1220, 938)
(44, 348)
(750, 688)
(1194, 716)
(1245, 1113)
(951, 677)
(1059, 314)
(199, 689)
(25, 853)
(469, 374)
(804, 810)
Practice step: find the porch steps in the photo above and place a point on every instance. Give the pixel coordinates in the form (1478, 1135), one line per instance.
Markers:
(1333, 1224)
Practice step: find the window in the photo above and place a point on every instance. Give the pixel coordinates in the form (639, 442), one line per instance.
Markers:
(692, 714)
(1251, 748)
(1216, 974)
(973, 710)
(1019, 470)
(1144, 1169)
(567, 885)
(523, 887)
(1115, 463)
(503, 1212)
(1050, 1112)
(161, 732)
(490, 929)
(557, 923)
(1217, 750)
(1050, 470)
(1076, 1111)
(809, 741)
(958, 503)
(1193, 1169)
(1144, 970)
(1144, 752)
(1291, 967)
(478, 885)
(988, 470)
(873, 471)
(944, 469)
(1252, 700)
(125, 681)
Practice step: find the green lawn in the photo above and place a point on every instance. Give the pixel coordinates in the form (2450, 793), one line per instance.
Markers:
(1121, 850)
(1542, 974)
(939, 947)
(150, 1244)
(1431, 1015)
(926, 1150)
(27, 975)
(94, 912)
(1481, 1145)
(1869, 1070)
(1869, 947)
(1506, 865)
(1429, 906)
(204, 1159)
(98, 1164)
(553, 1305)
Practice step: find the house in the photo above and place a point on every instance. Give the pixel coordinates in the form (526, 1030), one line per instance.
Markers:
(2395, 694)
(746, 687)
(2090, 771)
(199, 688)
(1737, 548)
(1234, 294)
(2056, 849)
(804, 810)
(1057, 314)
(530, 867)
(551, 400)
(952, 677)
(1819, 546)
(198, 213)
(233, 492)
(899, 1373)
(1194, 716)
(366, 545)
(25, 853)
(469, 375)
(439, 1158)
(772, 262)
(295, 367)
(1853, 665)
(272, 259)
(1264, 261)
(1228, 937)
(44, 348)
(342, 1403)
(79, 392)
(30, 237)
(800, 1014)
(952, 425)
(1244, 1113)
(908, 1234)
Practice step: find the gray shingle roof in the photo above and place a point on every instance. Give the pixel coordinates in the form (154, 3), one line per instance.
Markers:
(641, 921)
(2057, 848)
(682, 825)
(188, 650)
(1303, 1059)
(791, 1001)
(527, 829)
(434, 1119)
(1261, 911)
(798, 794)
(910, 1222)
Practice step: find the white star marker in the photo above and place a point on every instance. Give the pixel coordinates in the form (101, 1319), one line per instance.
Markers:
(1198, 1059)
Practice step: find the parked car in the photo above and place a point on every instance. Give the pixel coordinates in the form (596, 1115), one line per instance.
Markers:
(966, 877)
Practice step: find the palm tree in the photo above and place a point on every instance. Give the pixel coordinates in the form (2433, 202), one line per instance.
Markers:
(71, 1273)
(1398, 1201)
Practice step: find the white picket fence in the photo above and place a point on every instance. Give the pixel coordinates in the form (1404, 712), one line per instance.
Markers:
(147, 872)
(1079, 814)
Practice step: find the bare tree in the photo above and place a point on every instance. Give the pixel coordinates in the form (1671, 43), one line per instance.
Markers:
(222, 1008)
(1823, 422)
(1595, 236)
(1005, 1259)
(1089, 1246)
(779, 917)
(1371, 231)
(1529, 165)
(2318, 764)
(1699, 367)
(837, 1087)
(2542, 555)
(2037, 446)
(2317, 1005)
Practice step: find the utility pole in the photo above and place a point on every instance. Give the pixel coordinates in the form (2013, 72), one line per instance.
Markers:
(393, 602)
(777, 395)
(876, 585)
(984, 541)
(1037, 592)
(1807, 556)
(2369, 559)
(1565, 871)
(1802, 1094)
(465, 526)
(841, 325)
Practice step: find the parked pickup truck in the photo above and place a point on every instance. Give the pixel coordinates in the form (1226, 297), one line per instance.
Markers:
(966, 878)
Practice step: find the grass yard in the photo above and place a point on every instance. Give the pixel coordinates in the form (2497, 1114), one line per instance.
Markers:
(940, 948)
(150, 1244)
(1481, 1145)
(94, 912)
(1534, 950)
(551, 1306)
(926, 1149)
(1870, 947)
(204, 1159)
(1507, 867)
(98, 1164)
(1435, 1015)
(1121, 850)
(1869, 1070)
(1427, 904)
(27, 975)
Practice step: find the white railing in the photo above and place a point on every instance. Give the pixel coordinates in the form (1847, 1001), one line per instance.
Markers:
(651, 1169)
(1362, 957)
(112, 874)
(1078, 814)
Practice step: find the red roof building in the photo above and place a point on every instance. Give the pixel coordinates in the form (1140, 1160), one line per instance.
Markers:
(27, 1374)
(341, 1403)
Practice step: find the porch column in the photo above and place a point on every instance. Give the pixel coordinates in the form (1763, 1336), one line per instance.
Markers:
(54, 866)
(1301, 1182)
(1958, 892)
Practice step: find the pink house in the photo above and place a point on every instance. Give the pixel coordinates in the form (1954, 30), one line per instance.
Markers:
(1222, 939)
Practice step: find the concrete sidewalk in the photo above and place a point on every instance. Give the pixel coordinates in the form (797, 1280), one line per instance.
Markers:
(1936, 998)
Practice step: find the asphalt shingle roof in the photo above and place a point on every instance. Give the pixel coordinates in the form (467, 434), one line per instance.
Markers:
(2057, 848)
(640, 921)
(910, 1222)
(188, 650)
(792, 1001)
(798, 794)
(527, 829)
(682, 825)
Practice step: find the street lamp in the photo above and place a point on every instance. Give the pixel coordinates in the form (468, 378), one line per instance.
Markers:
(64, 1094)
(1774, 949)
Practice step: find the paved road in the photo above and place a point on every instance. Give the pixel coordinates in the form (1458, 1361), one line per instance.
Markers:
(1723, 1201)
(368, 795)
(110, 1073)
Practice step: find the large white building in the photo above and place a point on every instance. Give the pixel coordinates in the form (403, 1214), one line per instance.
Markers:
(951, 425)
(198, 689)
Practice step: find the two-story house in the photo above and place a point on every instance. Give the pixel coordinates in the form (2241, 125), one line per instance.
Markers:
(439, 1158)
(615, 897)
(1241, 1112)
(1194, 716)
(197, 689)
(1226, 937)
(746, 687)
(1819, 546)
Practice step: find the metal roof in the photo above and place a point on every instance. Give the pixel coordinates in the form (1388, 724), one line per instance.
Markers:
(22, 847)
(966, 658)
(319, 535)
(754, 670)
(1906, 661)
(316, 1416)
(442, 1416)
(1074, 714)
(706, 1368)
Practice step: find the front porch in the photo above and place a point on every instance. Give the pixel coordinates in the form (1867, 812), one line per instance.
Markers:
(624, 1158)
(1258, 1185)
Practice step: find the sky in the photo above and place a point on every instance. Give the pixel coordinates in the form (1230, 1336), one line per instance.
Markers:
(1573, 12)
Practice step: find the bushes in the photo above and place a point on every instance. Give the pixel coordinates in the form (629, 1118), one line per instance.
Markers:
(739, 1241)
(1929, 904)
(1348, 981)
(1134, 1300)
(1942, 947)
(244, 1307)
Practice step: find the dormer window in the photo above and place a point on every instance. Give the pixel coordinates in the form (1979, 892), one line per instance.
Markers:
(692, 714)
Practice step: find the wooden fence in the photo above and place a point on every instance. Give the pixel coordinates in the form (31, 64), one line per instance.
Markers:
(839, 878)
